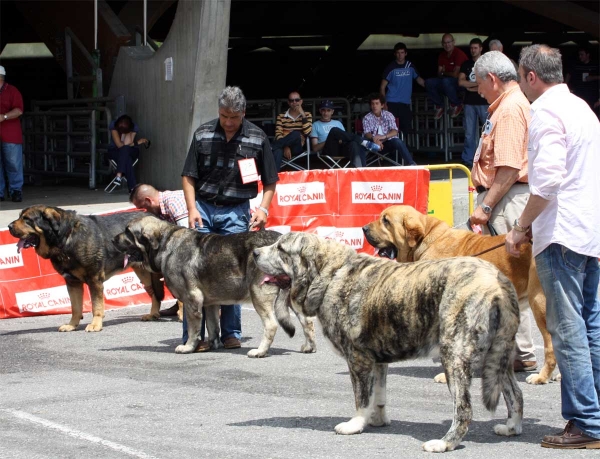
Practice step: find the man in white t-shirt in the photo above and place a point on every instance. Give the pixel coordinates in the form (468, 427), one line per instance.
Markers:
(563, 215)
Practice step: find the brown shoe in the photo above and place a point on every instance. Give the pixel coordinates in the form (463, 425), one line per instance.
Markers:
(203, 346)
(520, 366)
(570, 438)
(232, 343)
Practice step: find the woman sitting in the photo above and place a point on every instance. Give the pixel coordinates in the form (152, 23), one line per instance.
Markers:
(123, 148)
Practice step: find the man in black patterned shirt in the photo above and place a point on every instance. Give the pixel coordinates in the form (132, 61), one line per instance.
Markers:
(226, 158)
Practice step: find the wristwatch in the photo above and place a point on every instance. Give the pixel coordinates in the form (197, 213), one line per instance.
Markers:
(5, 116)
(519, 228)
(486, 209)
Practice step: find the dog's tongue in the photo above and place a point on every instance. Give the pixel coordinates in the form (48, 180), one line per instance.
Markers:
(388, 252)
(125, 261)
(269, 279)
(20, 245)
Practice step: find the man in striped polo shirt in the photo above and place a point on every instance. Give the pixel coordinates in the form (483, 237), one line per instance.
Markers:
(291, 130)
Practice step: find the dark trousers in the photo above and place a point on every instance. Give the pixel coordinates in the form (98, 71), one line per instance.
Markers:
(348, 144)
(396, 143)
(292, 140)
(404, 115)
(125, 157)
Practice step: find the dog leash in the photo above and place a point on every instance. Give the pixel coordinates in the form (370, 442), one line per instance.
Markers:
(493, 232)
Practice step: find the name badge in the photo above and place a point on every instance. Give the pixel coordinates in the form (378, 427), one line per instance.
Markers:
(478, 152)
(248, 170)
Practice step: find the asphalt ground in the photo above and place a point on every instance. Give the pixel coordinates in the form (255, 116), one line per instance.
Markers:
(123, 392)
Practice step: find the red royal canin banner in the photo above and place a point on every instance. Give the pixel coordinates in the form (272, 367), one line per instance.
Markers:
(333, 203)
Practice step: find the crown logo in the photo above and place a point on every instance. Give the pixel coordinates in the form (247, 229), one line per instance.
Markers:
(301, 189)
(43, 296)
(376, 188)
(339, 234)
(127, 279)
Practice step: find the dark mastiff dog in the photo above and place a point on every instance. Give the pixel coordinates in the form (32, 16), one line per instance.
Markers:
(81, 250)
(208, 270)
(377, 311)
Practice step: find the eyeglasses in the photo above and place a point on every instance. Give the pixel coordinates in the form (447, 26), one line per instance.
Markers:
(294, 100)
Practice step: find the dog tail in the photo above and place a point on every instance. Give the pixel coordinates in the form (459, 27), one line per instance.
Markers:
(158, 286)
(282, 312)
(497, 366)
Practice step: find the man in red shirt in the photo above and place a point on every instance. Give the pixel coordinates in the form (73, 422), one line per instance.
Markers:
(446, 83)
(11, 139)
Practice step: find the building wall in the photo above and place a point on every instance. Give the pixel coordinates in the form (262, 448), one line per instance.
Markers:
(168, 112)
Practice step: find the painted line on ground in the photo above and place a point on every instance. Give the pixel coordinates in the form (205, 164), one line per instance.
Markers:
(77, 434)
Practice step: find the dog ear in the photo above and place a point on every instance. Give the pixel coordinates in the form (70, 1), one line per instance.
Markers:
(413, 226)
(152, 235)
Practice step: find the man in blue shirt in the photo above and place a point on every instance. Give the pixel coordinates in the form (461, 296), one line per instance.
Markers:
(398, 79)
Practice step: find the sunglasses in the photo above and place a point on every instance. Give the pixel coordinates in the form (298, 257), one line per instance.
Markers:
(294, 100)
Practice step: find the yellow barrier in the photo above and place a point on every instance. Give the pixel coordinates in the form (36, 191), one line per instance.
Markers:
(440, 193)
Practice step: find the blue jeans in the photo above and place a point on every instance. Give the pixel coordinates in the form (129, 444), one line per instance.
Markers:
(438, 87)
(223, 220)
(125, 157)
(292, 140)
(570, 283)
(472, 114)
(11, 161)
(394, 144)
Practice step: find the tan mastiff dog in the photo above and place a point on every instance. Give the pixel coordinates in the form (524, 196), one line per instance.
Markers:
(403, 233)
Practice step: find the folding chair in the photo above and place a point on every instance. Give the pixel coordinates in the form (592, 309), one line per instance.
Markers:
(334, 162)
(112, 165)
(375, 156)
(293, 161)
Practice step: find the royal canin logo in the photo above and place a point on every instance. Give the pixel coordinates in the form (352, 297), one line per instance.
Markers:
(127, 279)
(376, 188)
(43, 296)
(301, 189)
(353, 237)
(377, 192)
(297, 195)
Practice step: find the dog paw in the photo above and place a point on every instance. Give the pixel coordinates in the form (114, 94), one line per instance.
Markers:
(93, 327)
(307, 349)
(67, 328)
(508, 430)
(557, 377)
(440, 378)
(184, 349)
(352, 427)
(149, 317)
(379, 418)
(255, 353)
(536, 379)
(435, 446)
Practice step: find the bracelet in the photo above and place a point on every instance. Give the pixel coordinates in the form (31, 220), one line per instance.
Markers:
(519, 228)
(264, 210)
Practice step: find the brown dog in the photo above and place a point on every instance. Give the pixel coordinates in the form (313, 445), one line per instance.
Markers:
(410, 236)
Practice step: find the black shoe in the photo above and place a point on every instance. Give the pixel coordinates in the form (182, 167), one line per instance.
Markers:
(17, 196)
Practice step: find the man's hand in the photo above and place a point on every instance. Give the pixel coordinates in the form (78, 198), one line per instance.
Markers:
(287, 153)
(379, 139)
(258, 220)
(194, 218)
(479, 217)
(514, 240)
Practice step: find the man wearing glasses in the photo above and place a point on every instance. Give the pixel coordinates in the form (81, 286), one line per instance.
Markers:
(446, 83)
(291, 130)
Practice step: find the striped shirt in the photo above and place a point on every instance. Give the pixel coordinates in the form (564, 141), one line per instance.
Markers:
(172, 205)
(504, 139)
(379, 125)
(213, 162)
(286, 123)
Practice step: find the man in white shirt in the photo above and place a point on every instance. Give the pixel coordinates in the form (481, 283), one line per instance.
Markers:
(564, 216)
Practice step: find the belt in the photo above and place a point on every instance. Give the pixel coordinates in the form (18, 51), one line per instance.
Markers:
(221, 203)
(481, 188)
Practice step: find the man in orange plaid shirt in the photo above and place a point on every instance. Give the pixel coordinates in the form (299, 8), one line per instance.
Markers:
(500, 168)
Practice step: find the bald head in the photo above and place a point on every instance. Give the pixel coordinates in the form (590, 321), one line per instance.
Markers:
(145, 196)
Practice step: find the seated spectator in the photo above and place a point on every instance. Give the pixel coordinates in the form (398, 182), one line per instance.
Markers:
(446, 83)
(123, 148)
(397, 79)
(330, 137)
(583, 78)
(380, 127)
(291, 130)
(496, 45)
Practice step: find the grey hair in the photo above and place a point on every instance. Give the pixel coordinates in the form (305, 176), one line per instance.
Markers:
(497, 63)
(232, 98)
(544, 61)
(495, 42)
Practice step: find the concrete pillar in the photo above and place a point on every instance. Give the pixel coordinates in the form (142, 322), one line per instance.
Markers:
(168, 112)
